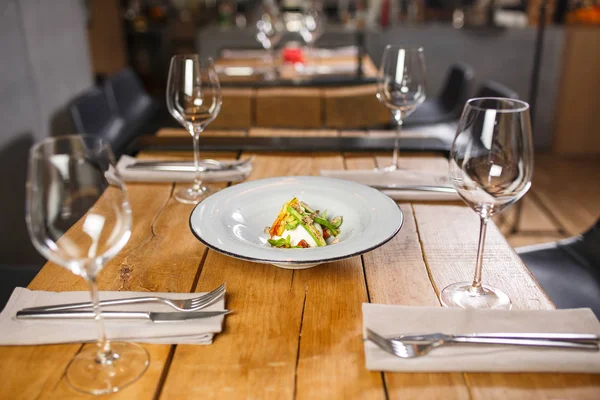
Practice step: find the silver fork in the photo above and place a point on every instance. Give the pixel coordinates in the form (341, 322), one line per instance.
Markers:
(194, 304)
(412, 350)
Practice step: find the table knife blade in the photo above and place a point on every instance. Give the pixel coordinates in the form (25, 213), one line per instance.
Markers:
(147, 315)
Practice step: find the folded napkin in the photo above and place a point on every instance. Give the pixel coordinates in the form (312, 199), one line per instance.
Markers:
(392, 321)
(334, 69)
(247, 54)
(139, 175)
(30, 332)
(399, 177)
(244, 54)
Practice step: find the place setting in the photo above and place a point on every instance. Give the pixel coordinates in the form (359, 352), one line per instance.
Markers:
(194, 101)
(402, 90)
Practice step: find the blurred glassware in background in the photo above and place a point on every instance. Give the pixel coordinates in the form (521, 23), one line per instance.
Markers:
(313, 24)
(270, 30)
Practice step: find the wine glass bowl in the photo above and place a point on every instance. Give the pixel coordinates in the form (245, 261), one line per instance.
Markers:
(78, 216)
(491, 165)
(194, 100)
(401, 86)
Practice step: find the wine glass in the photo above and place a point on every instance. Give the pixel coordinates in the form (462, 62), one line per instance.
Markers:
(270, 30)
(194, 100)
(401, 86)
(78, 221)
(313, 26)
(491, 163)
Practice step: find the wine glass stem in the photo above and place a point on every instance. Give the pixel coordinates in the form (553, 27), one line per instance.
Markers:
(198, 172)
(398, 118)
(104, 351)
(476, 286)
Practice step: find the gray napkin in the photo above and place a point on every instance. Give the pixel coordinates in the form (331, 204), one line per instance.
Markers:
(138, 175)
(389, 321)
(31, 332)
(399, 177)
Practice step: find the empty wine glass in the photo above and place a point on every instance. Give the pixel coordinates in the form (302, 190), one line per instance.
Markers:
(194, 100)
(313, 26)
(78, 221)
(401, 86)
(491, 163)
(270, 30)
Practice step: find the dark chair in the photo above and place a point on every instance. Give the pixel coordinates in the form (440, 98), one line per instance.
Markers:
(143, 114)
(93, 114)
(449, 104)
(126, 91)
(568, 270)
(495, 89)
(13, 276)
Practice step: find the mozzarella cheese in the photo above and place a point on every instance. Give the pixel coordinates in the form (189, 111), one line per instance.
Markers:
(298, 234)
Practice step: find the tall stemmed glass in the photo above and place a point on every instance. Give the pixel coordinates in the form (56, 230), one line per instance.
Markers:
(313, 26)
(194, 100)
(491, 163)
(270, 30)
(76, 220)
(401, 86)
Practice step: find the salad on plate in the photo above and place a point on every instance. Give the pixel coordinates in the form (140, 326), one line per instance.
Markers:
(299, 226)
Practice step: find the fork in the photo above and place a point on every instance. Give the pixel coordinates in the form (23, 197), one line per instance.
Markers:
(412, 350)
(194, 304)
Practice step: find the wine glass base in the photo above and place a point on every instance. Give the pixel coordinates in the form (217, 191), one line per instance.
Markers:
(463, 295)
(388, 168)
(192, 195)
(86, 374)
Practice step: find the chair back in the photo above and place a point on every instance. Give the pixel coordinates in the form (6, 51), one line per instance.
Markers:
(456, 88)
(91, 112)
(495, 89)
(126, 92)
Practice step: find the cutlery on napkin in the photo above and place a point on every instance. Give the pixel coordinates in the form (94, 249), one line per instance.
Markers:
(152, 175)
(402, 184)
(393, 321)
(15, 331)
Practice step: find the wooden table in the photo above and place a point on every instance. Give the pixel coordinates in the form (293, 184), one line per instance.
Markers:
(295, 334)
(283, 106)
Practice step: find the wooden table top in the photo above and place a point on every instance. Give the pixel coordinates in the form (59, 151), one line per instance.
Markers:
(288, 72)
(295, 334)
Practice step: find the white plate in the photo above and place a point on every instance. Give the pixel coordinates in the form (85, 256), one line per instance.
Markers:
(233, 220)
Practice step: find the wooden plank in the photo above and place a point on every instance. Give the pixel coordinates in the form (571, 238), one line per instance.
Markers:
(237, 111)
(396, 274)
(289, 107)
(354, 107)
(331, 349)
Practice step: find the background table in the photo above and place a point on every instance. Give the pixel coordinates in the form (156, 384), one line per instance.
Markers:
(295, 334)
(296, 102)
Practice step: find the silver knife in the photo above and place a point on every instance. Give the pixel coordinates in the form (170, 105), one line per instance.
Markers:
(188, 166)
(148, 315)
(419, 188)
(569, 337)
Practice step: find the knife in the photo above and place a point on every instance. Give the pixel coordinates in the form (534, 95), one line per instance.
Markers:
(420, 188)
(188, 166)
(147, 315)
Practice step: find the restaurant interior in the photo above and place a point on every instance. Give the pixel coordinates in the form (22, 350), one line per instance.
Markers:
(416, 121)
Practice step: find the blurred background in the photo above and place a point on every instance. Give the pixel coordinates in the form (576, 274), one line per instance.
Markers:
(546, 52)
